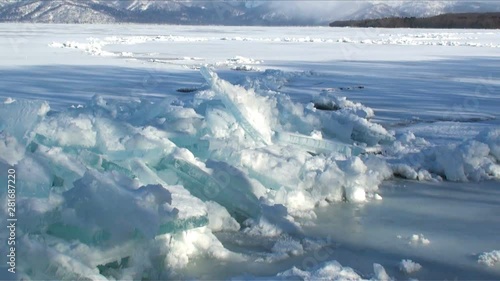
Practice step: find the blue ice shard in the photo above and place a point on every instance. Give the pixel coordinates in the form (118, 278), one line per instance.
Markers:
(20, 117)
(318, 145)
(223, 90)
(240, 203)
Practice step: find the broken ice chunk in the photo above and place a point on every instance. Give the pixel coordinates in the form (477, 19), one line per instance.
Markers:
(202, 185)
(380, 273)
(67, 129)
(180, 225)
(49, 263)
(327, 100)
(71, 232)
(409, 266)
(227, 92)
(489, 258)
(199, 147)
(19, 117)
(318, 145)
(11, 151)
(102, 209)
(149, 112)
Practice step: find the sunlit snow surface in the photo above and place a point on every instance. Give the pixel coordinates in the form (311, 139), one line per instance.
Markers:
(160, 152)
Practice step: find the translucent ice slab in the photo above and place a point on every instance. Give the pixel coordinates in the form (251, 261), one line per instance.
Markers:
(204, 186)
(18, 117)
(224, 91)
(318, 145)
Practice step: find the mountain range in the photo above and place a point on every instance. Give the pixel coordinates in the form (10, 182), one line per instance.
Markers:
(227, 12)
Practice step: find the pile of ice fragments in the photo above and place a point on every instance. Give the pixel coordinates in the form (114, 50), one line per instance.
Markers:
(136, 189)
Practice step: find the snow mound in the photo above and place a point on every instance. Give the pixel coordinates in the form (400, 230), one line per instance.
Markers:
(473, 159)
(429, 39)
(94, 47)
(380, 273)
(331, 270)
(245, 67)
(409, 266)
(416, 239)
(239, 63)
(328, 101)
(489, 258)
(243, 60)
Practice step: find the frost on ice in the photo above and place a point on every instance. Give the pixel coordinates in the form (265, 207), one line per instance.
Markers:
(140, 183)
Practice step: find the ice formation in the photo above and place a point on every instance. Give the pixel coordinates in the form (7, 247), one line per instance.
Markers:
(409, 266)
(471, 160)
(94, 46)
(102, 180)
(380, 273)
(332, 270)
(415, 239)
(489, 258)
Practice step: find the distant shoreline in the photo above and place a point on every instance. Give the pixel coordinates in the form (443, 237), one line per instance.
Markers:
(459, 20)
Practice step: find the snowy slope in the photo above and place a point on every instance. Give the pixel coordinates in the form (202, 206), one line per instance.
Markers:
(380, 9)
(230, 12)
(64, 11)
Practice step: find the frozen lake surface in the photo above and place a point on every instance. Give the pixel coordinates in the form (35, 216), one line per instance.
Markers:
(205, 152)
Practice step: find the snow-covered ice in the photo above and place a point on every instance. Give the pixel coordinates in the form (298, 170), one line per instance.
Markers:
(160, 152)
(489, 258)
(409, 266)
(416, 239)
